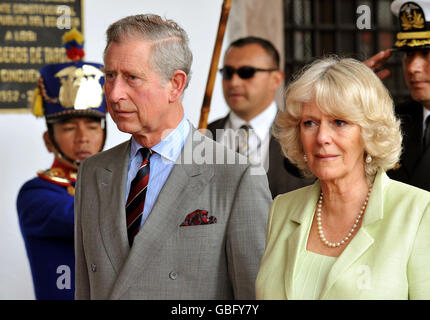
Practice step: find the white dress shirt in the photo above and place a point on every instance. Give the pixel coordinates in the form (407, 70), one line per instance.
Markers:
(426, 113)
(161, 163)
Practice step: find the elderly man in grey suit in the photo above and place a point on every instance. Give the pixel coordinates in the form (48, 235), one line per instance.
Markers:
(170, 214)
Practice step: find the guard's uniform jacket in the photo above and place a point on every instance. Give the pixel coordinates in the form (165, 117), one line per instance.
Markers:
(46, 218)
(45, 204)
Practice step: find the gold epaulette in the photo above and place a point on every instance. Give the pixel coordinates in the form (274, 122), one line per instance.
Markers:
(58, 176)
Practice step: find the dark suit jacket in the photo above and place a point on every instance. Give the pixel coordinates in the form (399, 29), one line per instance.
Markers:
(414, 161)
(283, 176)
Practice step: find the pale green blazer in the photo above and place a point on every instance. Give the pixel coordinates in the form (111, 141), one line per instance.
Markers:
(389, 258)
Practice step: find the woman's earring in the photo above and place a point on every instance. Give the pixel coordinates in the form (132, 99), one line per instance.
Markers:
(368, 159)
(305, 158)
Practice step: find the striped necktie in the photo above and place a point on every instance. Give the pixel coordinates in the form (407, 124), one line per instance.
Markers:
(243, 143)
(136, 197)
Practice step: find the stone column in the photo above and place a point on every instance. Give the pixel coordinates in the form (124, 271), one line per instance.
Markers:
(261, 18)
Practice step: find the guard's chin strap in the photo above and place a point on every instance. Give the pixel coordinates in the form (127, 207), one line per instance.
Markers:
(74, 162)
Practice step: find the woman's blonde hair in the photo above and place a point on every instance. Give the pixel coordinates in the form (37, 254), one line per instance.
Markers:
(349, 90)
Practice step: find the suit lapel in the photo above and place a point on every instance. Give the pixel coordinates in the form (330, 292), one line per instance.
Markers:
(412, 128)
(112, 206)
(363, 239)
(301, 219)
(361, 242)
(275, 160)
(218, 124)
(294, 244)
(182, 188)
(420, 174)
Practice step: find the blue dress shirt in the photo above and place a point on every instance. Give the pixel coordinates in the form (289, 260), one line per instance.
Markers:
(161, 163)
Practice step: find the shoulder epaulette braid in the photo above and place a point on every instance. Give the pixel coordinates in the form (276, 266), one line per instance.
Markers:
(56, 176)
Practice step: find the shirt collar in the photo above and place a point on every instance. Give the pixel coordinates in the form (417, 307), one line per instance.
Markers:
(426, 113)
(171, 146)
(261, 124)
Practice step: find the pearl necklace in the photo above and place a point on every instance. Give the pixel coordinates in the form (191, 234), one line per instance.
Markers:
(348, 236)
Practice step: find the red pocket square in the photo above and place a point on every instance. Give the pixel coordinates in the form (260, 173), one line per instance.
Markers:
(198, 217)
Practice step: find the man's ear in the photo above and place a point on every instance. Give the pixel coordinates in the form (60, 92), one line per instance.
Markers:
(48, 142)
(278, 78)
(177, 85)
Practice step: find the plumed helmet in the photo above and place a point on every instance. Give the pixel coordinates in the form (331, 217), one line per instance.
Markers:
(70, 89)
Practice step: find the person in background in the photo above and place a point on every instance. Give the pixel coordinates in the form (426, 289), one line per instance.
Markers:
(354, 233)
(413, 41)
(160, 216)
(70, 97)
(250, 78)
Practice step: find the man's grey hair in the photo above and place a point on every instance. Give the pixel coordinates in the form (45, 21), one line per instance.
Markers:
(170, 44)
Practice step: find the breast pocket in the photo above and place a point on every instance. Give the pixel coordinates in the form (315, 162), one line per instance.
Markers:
(205, 231)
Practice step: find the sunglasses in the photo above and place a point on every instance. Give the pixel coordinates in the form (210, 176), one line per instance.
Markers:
(243, 72)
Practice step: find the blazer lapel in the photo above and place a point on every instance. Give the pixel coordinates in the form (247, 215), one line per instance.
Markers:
(420, 175)
(294, 243)
(363, 239)
(182, 187)
(218, 124)
(361, 242)
(275, 161)
(412, 144)
(301, 219)
(112, 206)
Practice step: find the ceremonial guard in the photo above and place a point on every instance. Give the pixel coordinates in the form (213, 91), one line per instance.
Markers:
(414, 41)
(70, 97)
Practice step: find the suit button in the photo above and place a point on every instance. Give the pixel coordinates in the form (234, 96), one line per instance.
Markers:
(93, 267)
(173, 275)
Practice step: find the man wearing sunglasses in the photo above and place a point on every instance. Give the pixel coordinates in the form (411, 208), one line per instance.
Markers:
(251, 76)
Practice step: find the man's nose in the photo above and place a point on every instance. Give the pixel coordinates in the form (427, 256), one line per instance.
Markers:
(235, 79)
(115, 90)
(82, 134)
(416, 63)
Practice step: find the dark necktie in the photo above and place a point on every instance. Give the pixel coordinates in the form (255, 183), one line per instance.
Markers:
(136, 197)
(427, 133)
(243, 135)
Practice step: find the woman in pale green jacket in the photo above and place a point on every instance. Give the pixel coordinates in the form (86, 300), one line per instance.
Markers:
(355, 233)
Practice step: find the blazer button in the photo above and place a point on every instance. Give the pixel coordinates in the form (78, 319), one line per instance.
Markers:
(173, 275)
(93, 267)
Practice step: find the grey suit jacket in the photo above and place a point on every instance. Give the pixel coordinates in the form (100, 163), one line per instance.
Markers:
(283, 176)
(166, 261)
